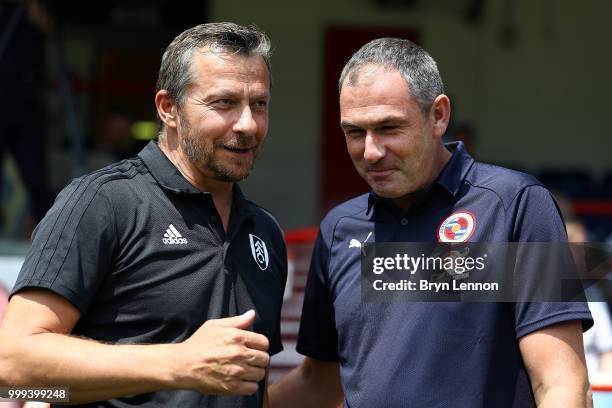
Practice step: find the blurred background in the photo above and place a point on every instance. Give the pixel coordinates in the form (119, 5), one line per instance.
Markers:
(529, 82)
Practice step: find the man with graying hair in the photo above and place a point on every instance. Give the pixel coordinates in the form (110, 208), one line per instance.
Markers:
(395, 353)
(154, 282)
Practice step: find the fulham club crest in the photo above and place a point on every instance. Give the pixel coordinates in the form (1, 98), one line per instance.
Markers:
(259, 251)
(457, 227)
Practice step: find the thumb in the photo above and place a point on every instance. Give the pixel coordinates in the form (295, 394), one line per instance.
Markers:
(242, 321)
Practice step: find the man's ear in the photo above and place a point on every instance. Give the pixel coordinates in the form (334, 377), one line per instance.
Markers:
(439, 114)
(166, 108)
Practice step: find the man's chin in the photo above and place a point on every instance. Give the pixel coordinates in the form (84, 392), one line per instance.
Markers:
(231, 175)
(226, 171)
(232, 179)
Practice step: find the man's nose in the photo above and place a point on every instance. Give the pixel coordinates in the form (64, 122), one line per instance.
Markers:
(374, 149)
(245, 123)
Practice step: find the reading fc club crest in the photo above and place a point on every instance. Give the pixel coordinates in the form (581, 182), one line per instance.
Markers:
(457, 227)
(259, 251)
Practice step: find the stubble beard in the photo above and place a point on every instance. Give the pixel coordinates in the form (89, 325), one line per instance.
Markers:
(202, 155)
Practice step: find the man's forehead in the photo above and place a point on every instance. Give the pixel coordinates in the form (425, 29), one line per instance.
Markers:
(371, 83)
(215, 64)
(372, 115)
(375, 86)
(368, 75)
(376, 95)
(221, 59)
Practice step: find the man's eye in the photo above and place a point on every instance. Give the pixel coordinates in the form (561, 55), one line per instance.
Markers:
(224, 102)
(387, 128)
(261, 105)
(353, 132)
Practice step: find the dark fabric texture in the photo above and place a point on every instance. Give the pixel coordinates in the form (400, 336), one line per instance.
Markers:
(144, 257)
(426, 354)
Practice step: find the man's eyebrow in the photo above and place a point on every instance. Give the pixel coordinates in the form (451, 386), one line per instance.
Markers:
(221, 93)
(230, 93)
(390, 119)
(260, 95)
(386, 120)
(347, 125)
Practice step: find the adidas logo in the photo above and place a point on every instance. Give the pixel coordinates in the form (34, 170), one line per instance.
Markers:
(173, 237)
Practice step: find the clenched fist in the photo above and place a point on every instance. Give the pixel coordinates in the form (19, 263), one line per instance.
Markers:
(221, 357)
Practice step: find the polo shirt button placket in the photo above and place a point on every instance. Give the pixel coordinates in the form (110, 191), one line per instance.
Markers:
(227, 268)
(404, 222)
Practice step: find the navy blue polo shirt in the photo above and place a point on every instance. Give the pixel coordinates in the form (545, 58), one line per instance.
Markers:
(398, 354)
(144, 257)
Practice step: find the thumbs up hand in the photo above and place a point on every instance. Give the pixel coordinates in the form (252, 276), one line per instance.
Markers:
(222, 357)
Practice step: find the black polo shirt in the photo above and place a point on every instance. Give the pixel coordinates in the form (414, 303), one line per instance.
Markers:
(143, 255)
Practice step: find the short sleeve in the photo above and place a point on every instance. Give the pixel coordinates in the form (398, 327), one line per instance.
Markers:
(318, 337)
(538, 219)
(72, 247)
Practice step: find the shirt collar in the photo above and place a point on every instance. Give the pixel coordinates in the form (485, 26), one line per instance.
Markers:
(452, 175)
(164, 171)
(450, 178)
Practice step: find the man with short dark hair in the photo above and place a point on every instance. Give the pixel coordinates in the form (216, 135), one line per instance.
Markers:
(154, 282)
(426, 354)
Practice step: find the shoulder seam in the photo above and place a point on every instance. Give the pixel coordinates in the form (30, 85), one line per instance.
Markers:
(525, 188)
(488, 189)
(520, 190)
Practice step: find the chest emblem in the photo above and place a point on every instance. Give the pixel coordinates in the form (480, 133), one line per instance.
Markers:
(173, 237)
(457, 227)
(259, 251)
